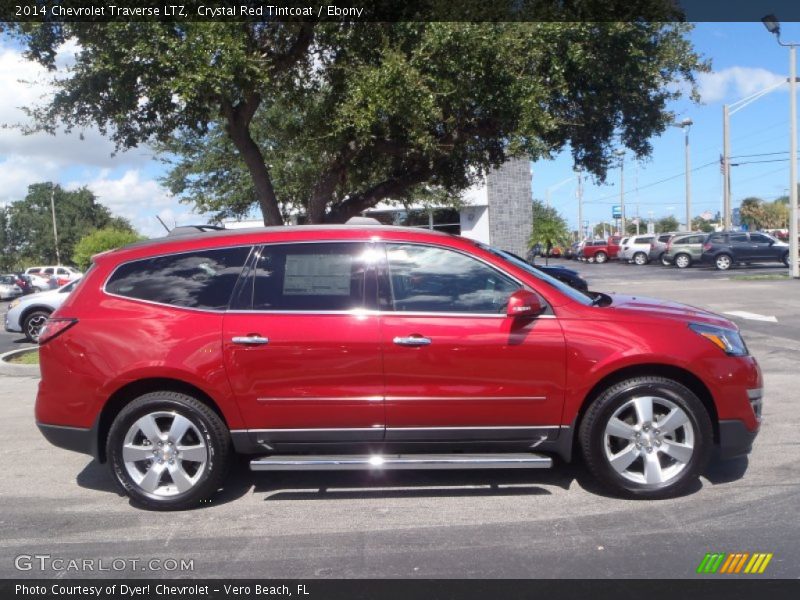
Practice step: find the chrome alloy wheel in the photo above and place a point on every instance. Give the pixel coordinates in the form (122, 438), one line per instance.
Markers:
(649, 440)
(164, 453)
(34, 326)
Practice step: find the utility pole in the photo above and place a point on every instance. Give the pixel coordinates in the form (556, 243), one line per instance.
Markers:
(687, 124)
(726, 166)
(622, 195)
(55, 229)
(579, 194)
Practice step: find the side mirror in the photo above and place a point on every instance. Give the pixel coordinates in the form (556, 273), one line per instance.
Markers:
(523, 303)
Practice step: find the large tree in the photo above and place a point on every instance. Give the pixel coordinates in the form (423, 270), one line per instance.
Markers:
(30, 238)
(331, 118)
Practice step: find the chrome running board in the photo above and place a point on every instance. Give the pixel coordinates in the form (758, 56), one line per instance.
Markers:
(346, 462)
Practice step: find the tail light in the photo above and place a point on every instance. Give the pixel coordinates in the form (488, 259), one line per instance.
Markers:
(652, 246)
(55, 327)
(707, 246)
(669, 245)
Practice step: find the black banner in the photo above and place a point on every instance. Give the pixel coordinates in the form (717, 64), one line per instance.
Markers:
(395, 10)
(733, 588)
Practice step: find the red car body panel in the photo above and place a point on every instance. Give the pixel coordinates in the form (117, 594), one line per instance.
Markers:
(344, 371)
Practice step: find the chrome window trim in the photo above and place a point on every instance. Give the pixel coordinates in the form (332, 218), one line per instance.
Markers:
(153, 302)
(352, 312)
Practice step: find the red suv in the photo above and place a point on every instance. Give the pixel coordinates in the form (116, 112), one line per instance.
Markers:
(600, 251)
(379, 348)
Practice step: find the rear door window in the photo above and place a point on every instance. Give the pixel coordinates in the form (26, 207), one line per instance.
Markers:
(315, 277)
(198, 279)
(739, 238)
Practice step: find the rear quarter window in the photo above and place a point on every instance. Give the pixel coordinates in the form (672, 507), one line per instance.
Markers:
(198, 279)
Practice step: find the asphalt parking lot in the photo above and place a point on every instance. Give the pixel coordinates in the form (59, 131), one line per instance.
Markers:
(438, 524)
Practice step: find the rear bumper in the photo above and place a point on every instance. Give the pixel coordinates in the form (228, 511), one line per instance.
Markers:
(735, 439)
(76, 439)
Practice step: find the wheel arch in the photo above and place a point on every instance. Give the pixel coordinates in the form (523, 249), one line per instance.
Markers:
(681, 375)
(29, 309)
(121, 397)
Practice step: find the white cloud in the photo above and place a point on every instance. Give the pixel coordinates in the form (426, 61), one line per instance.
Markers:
(735, 83)
(138, 199)
(25, 84)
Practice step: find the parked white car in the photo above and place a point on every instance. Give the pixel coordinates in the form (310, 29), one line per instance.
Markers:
(29, 314)
(62, 274)
(9, 288)
(636, 249)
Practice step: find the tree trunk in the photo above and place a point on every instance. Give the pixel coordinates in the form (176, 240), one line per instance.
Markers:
(238, 125)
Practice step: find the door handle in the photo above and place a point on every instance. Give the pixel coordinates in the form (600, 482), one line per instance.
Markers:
(412, 340)
(250, 340)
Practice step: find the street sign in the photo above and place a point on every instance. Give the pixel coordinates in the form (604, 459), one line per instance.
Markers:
(616, 212)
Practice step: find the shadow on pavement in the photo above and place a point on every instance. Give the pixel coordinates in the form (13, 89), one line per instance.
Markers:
(359, 485)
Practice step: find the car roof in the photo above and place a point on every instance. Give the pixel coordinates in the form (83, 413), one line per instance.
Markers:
(281, 233)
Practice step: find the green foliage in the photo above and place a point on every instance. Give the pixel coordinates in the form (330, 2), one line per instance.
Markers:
(108, 238)
(29, 224)
(757, 214)
(549, 228)
(331, 118)
(700, 224)
(667, 224)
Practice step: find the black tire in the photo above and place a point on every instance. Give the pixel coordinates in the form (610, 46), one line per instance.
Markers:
(663, 260)
(640, 258)
(593, 439)
(32, 324)
(601, 257)
(683, 260)
(212, 432)
(785, 259)
(723, 262)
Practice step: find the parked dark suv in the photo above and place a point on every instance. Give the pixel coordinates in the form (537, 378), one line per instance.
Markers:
(724, 249)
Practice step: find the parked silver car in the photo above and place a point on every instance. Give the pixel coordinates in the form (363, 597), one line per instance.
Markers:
(29, 314)
(9, 288)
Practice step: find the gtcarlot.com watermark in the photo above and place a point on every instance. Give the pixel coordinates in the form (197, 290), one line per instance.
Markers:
(49, 563)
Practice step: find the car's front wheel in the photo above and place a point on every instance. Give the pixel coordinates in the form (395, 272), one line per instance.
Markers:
(640, 258)
(785, 259)
(646, 437)
(33, 323)
(683, 261)
(601, 257)
(168, 451)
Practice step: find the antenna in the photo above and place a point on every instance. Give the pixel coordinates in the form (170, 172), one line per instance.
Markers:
(162, 222)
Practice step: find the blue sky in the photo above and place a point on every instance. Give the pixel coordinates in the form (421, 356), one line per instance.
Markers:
(745, 59)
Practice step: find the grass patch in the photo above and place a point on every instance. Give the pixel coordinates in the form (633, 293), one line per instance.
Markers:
(768, 277)
(26, 358)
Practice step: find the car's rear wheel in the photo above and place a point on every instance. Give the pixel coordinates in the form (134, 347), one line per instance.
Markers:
(663, 259)
(33, 323)
(785, 259)
(723, 262)
(682, 261)
(640, 258)
(601, 257)
(646, 437)
(168, 451)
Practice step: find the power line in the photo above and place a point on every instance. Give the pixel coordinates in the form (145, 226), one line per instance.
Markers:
(648, 185)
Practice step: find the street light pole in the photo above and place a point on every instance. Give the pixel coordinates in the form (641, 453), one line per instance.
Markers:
(53, 212)
(726, 165)
(687, 124)
(579, 194)
(773, 26)
(621, 154)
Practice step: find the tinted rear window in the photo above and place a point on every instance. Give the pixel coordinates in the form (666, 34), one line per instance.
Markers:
(199, 279)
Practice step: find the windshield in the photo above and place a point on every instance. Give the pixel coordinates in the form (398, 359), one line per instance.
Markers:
(559, 285)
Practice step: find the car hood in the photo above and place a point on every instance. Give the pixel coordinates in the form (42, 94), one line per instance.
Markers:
(52, 297)
(656, 307)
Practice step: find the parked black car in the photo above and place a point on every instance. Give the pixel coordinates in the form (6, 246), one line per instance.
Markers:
(726, 248)
(568, 276)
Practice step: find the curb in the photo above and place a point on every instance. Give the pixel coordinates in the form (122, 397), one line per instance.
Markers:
(13, 370)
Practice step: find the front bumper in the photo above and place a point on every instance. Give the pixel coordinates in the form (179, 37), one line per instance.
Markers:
(735, 439)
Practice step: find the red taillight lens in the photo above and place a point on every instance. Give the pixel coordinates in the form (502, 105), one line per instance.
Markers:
(707, 246)
(55, 327)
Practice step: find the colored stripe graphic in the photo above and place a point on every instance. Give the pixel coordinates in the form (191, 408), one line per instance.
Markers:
(733, 563)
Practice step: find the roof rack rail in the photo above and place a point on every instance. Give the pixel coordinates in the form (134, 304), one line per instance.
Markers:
(190, 229)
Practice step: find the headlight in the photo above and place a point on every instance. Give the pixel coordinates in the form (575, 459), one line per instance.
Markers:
(13, 304)
(727, 340)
